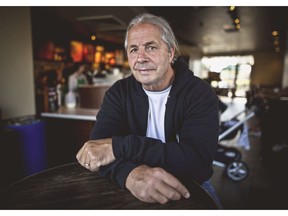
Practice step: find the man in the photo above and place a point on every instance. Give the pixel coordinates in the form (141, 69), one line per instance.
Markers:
(158, 129)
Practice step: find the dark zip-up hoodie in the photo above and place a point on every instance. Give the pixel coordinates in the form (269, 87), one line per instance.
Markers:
(191, 128)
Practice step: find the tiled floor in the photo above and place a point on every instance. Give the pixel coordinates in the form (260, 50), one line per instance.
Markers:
(266, 185)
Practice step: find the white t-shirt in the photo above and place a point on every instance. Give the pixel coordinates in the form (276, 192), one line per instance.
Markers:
(156, 113)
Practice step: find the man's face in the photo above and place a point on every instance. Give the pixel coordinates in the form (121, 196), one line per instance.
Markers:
(149, 57)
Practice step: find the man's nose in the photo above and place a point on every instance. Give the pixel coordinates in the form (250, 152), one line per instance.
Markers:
(142, 57)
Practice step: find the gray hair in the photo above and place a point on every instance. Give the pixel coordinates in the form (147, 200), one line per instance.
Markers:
(168, 36)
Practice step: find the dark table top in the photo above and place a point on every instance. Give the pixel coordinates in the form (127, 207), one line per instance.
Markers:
(73, 187)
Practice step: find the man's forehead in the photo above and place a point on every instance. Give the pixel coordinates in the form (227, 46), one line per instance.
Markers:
(144, 34)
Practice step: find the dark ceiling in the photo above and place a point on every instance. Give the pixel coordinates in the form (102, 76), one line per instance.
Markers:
(211, 29)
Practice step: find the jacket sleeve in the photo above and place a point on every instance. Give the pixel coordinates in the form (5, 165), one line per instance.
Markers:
(111, 121)
(189, 158)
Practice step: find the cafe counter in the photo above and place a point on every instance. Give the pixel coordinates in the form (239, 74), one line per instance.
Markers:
(67, 129)
(76, 113)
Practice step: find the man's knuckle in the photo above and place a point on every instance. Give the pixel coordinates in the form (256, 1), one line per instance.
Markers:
(170, 194)
(143, 195)
(164, 200)
(86, 144)
(175, 196)
(157, 171)
(151, 182)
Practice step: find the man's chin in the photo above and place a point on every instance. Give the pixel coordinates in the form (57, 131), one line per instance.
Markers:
(144, 78)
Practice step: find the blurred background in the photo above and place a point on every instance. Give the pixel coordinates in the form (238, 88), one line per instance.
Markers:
(240, 51)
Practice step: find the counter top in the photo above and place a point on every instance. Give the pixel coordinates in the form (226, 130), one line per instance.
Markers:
(76, 113)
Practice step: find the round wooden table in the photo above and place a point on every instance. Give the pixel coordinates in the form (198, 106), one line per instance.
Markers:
(73, 187)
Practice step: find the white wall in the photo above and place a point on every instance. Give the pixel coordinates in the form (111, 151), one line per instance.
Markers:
(285, 70)
(16, 63)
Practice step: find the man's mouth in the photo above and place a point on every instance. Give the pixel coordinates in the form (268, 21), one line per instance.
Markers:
(144, 71)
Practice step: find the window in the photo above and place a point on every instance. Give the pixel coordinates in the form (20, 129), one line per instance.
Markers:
(233, 73)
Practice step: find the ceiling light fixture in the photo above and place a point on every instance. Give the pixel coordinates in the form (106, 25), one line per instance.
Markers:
(233, 12)
(276, 43)
(93, 37)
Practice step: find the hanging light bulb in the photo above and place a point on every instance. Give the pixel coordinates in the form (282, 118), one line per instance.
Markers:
(93, 37)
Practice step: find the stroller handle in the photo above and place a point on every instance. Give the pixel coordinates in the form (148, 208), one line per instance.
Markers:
(235, 126)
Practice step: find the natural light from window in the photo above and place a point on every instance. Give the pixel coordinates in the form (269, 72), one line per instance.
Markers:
(228, 75)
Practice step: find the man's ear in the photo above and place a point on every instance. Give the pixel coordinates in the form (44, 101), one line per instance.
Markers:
(171, 54)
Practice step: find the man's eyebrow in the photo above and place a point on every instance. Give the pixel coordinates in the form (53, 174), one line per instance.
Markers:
(132, 45)
(145, 44)
(149, 43)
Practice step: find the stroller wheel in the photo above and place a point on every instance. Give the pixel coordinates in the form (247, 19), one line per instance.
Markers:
(237, 171)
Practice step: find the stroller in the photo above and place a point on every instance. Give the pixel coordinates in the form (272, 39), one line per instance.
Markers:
(230, 157)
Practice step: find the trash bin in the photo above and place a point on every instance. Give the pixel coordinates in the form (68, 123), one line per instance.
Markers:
(32, 138)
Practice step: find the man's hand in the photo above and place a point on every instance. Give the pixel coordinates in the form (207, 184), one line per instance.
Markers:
(155, 185)
(96, 153)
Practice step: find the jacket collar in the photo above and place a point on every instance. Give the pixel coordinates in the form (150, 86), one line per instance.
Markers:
(183, 75)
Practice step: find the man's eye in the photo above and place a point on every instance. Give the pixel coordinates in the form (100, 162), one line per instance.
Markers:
(150, 48)
(133, 50)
